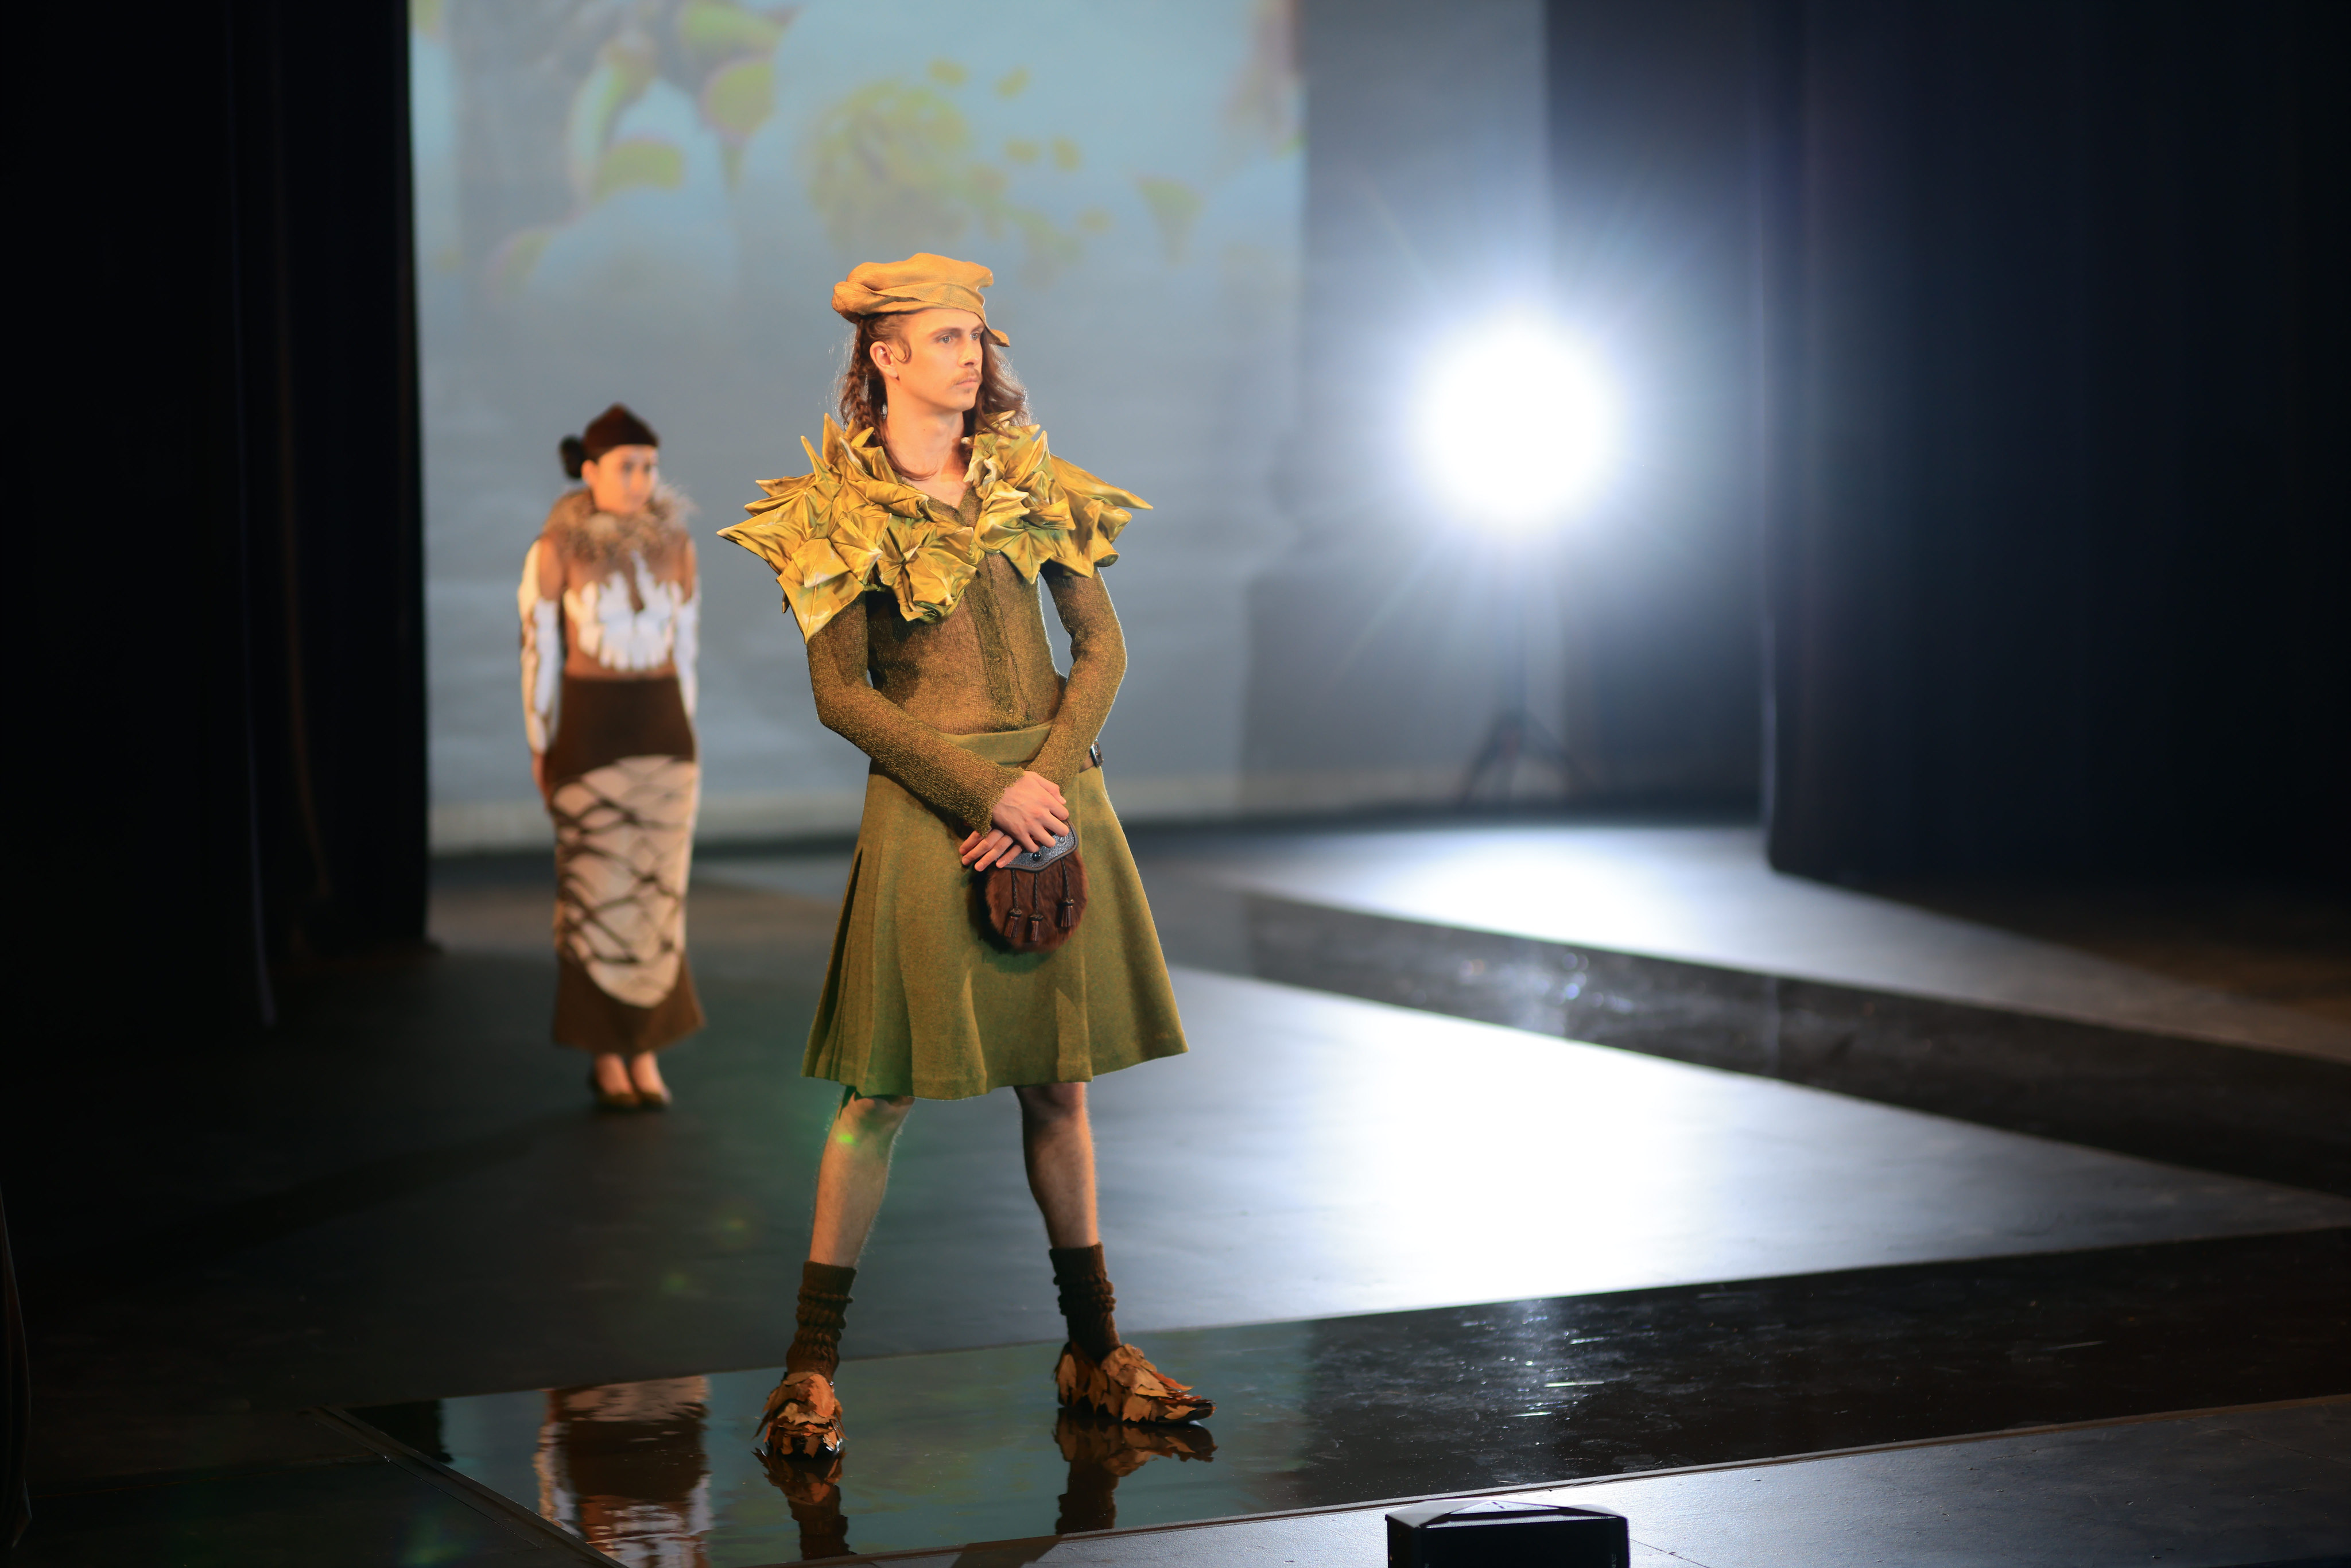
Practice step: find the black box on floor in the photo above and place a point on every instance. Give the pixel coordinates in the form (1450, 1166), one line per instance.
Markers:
(1506, 1532)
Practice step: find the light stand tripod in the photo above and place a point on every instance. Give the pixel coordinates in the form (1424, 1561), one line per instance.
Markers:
(1516, 734)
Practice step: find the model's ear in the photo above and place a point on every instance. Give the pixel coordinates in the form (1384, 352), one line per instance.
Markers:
(881, 355)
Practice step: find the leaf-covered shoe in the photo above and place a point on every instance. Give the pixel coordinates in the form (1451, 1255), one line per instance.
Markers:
(1125, 1386)
(803, 1418)
(1119, 1449)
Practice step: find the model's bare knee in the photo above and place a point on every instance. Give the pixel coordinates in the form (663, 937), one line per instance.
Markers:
(878, 1116)
(1047, 1103)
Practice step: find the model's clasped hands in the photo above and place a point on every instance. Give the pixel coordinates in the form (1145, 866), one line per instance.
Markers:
(1028, 816)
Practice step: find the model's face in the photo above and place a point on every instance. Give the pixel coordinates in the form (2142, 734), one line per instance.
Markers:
(935, 367)
(622, 480)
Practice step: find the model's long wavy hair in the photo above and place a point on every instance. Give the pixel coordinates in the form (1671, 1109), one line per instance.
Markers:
(865, 396)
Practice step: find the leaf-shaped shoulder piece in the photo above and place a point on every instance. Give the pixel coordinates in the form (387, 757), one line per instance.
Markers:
(1098, 512)
(779, 519)
(797, 529)
(1021, 516)
(852, 526)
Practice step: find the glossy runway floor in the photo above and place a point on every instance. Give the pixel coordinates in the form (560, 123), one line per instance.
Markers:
(966, 1446)
(1412, 1232)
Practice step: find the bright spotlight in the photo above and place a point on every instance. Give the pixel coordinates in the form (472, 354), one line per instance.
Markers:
(1519, 425)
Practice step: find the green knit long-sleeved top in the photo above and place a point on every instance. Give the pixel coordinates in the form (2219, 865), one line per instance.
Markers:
(923, 619)
(987, 667)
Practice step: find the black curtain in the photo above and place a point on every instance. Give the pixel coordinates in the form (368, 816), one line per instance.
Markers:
(2053, 391)
(15, 1402)
(224, 758)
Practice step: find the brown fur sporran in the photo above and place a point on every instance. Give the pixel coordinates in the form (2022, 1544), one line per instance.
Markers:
(1035, 911)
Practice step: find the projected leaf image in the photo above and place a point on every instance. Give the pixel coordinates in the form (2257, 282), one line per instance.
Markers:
(1175, 207)
(624, 68)
(734, 50)
(889, 171)
(714, 32)
(640, 161)
(584, 65)
(736, 101)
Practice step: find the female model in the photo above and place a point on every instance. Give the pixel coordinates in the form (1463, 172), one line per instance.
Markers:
(909, 558)
(610, 612)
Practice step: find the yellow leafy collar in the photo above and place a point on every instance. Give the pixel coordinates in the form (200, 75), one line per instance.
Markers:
(852, 526)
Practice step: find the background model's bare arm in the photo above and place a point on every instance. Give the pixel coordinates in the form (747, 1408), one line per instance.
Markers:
(956, 782)
(538, 600)
(686, 650)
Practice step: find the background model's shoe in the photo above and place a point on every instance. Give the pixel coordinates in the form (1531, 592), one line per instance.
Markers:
(1125, 1385)
(607, 1100)
(803, 1418)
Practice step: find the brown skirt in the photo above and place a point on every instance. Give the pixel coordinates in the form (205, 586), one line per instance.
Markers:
(622, 785)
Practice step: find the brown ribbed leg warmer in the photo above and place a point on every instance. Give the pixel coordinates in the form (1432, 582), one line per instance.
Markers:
(824, 1306)
(1086, 1298)
(824, 1529)
(1092, 1501)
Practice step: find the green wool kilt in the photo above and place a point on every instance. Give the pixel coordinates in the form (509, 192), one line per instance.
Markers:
(921, 1000)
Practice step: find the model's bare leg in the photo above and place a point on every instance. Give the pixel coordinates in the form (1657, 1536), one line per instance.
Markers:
(645, 1077)
(1057, 1142)
(803, 1416)
(612, 1074)
(1096, 1370)
(854, 1176)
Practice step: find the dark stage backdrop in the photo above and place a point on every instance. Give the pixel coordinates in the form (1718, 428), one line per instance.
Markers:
(1652, 217)
(2056, 371)
(225, 763)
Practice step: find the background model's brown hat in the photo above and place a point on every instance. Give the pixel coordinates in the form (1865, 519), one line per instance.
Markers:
(616, 426)
(921, 282)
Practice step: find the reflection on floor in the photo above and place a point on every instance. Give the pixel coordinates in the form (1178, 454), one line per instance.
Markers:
(622, 1465)
(967, 1445)
(2260, 1488)
(1907, 1210)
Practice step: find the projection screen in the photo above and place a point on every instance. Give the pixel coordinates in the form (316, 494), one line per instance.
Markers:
(648, 201)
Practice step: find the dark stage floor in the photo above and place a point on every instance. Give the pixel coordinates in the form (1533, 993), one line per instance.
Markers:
(379, 1289)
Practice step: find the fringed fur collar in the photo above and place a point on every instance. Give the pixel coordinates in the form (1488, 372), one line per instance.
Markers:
(602, 540)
